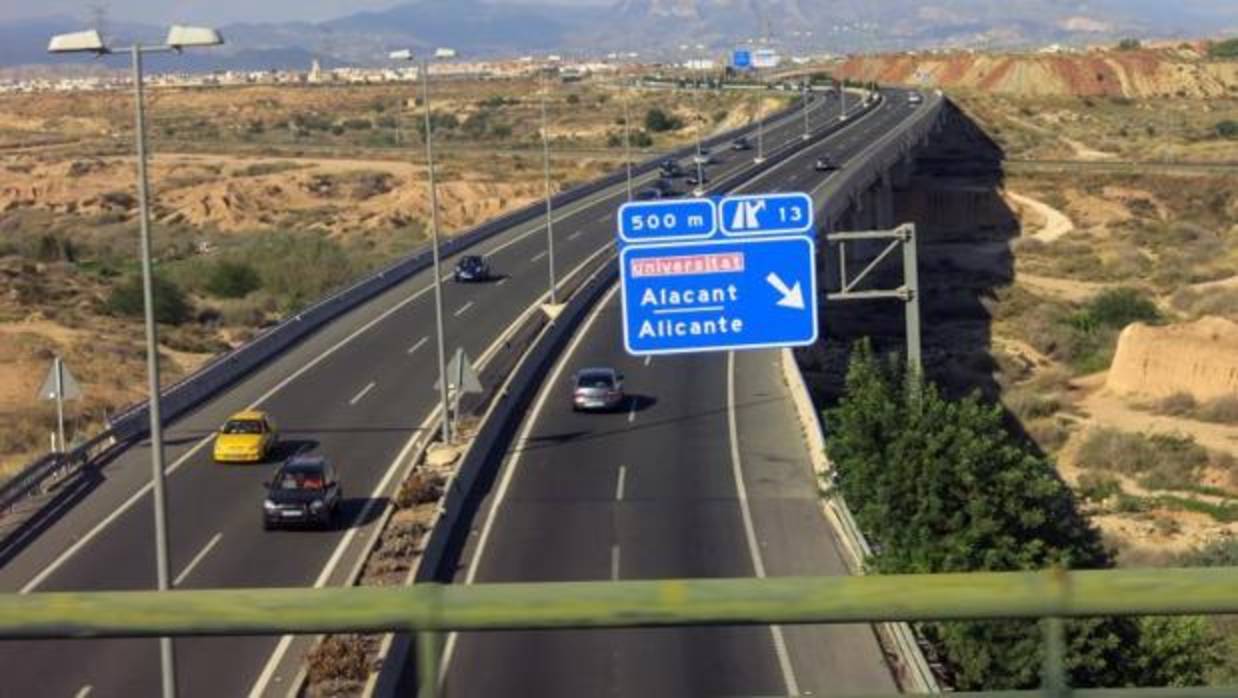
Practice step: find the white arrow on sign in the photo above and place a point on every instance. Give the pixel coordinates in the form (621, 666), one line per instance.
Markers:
(792, 297)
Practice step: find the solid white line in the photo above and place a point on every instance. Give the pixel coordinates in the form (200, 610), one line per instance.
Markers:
(538, 256)
(196, 559)
(576, 234)
(623, 471)
(83, 691)
(648, 359)
(508, 472)
(129, 503)
(614, 562)
(420, 343)
(464, 309)
(358, 396)
(697, 309)
(754, 550)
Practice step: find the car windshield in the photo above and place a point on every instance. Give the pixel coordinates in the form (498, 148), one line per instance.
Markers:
(595, 380)
(301, 478)
(243, 426)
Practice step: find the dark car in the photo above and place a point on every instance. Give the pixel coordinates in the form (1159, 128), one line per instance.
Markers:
(824, 163)
(741, 143)
(472, 268)
(649, 193)
(671, 168)
(694, 181)
(304, 492)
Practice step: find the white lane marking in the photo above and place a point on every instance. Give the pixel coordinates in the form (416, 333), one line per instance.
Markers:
(464, 309)
(83, 691)
(137, 496)
(648, 359)
(501, 282)
(196, 559)
(614, 562)
(538, 256)
(357, 398)
(277, 656)
(632, 411)
(576, 234)
(420, 343)
(501, 494)
(285, 642)
(623, 471)
(604, 218)
(741, 492)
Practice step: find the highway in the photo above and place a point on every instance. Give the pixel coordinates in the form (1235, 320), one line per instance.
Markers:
(703, 473)
(359, 392)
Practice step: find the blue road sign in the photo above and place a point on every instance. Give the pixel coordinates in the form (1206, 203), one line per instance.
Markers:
(741, 59)
(719, 295)
(766, 214)
(667, 221)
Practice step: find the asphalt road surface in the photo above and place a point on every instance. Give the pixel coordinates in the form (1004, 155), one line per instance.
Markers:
(356, 391)
(703, 472)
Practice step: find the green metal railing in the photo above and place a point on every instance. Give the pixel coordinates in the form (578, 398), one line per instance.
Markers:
(431, 609)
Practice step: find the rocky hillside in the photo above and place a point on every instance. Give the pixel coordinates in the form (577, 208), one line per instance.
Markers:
(1179, 72)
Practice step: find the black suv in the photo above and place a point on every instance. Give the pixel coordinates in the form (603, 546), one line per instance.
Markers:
(472, 268)
(305, 491)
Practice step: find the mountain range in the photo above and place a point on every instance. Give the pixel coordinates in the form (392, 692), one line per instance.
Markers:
(656, 28)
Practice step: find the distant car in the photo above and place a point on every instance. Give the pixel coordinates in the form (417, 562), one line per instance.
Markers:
(247, 437)
(597, 389)
(671, 168)
(694, 181)
(915, 98)
(650, 193)
(304, 492)
(472, 268)
(741, 143)
(824, 164)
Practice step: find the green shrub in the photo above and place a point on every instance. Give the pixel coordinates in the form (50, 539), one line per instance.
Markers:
(357, 124)
(573, 98)
(1227, 129)
(1097, 487)
(1224, 49)
(1178, 404)
(232, 280)
(1119, 307)
(170, 305)
(640, 139)
(1129, 44)
(1222, 410)
(1218, 553)
(658, 121)
(1161, 461)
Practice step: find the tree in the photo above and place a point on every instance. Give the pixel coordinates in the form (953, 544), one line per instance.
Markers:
(1224, 49)
(941, 486)
(1129, 44)
(1227, 129)
(170, 305)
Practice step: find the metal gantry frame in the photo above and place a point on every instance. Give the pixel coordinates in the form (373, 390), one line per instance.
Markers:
(901, 238)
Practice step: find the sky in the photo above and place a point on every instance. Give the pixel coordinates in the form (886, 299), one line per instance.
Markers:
(213, 11)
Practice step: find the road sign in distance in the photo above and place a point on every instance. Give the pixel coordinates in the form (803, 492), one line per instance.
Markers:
(719, 295)
(741, 59)
(665, 221)
(766, 214)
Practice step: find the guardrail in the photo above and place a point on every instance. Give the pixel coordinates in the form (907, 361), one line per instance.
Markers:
(430, 609)
(179, 398)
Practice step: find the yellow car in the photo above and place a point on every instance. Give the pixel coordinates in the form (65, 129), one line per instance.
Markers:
(247, 437)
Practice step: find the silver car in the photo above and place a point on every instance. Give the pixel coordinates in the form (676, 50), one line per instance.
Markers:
(597, 389)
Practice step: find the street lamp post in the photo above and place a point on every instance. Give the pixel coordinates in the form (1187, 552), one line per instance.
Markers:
(444, 403)
(179, 38)
(806, 96)
(550, 238)
(627, 137)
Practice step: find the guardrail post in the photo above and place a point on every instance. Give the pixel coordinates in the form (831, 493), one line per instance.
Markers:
(427, 663)
(1053, 681)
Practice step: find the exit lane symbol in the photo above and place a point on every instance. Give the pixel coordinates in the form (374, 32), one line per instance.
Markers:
(766, 214)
